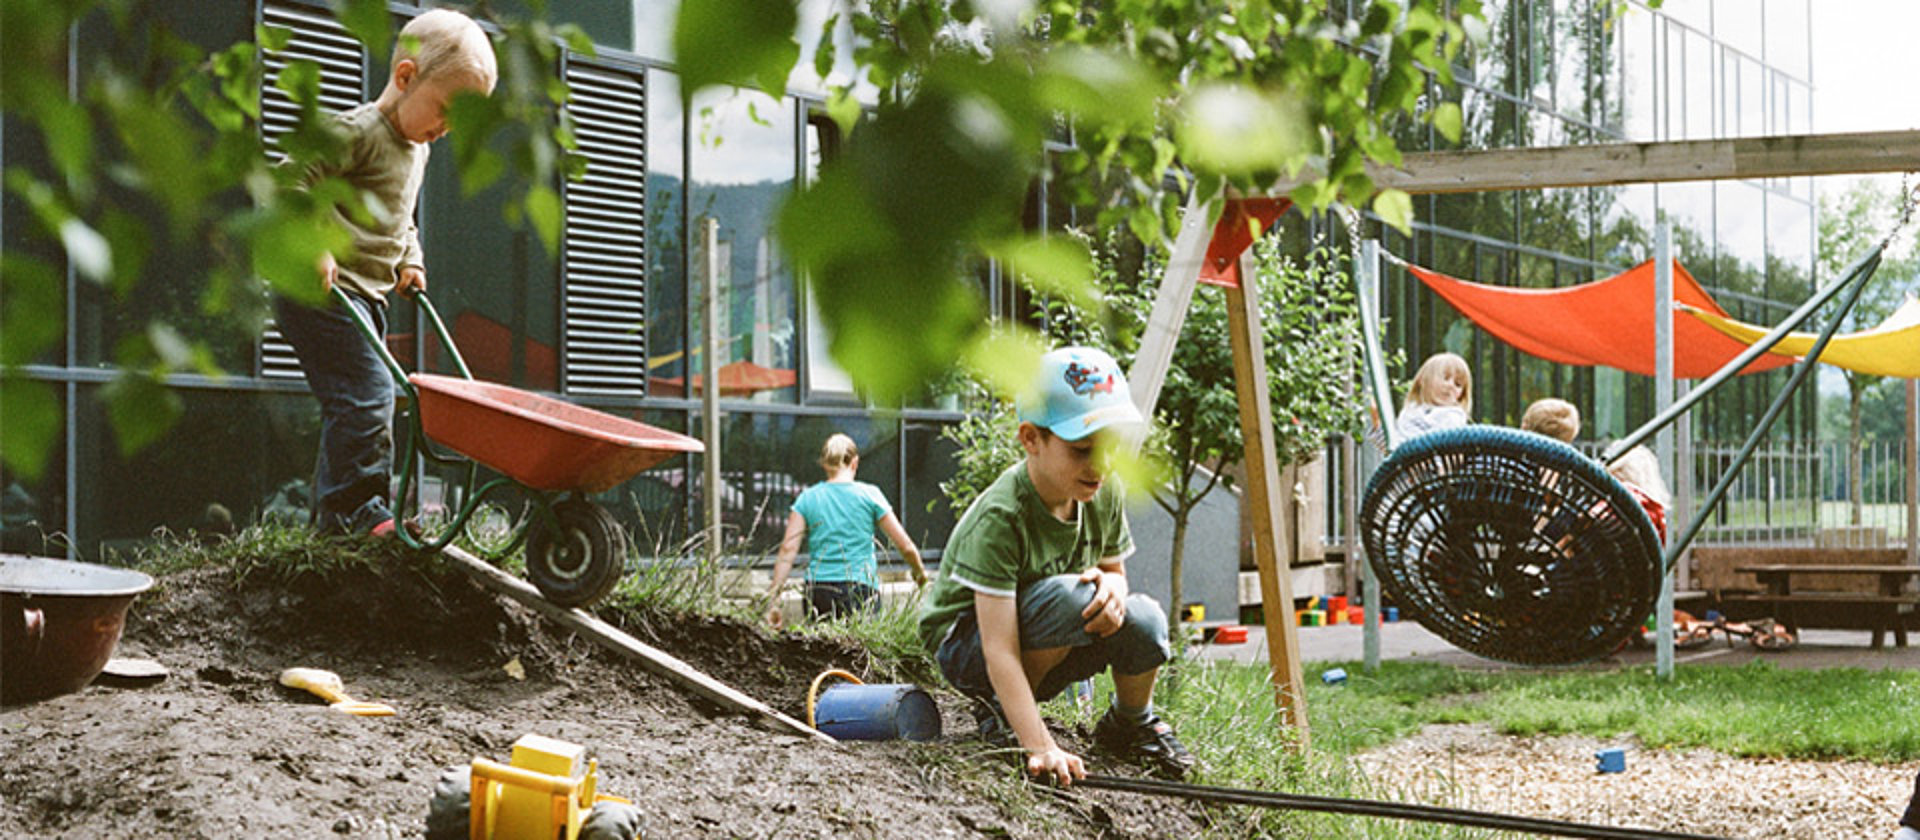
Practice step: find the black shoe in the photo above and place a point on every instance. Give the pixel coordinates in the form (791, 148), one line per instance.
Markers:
(992, 724)
(1150, 744)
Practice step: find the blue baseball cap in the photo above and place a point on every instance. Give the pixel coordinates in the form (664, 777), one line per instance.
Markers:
(1081, 391)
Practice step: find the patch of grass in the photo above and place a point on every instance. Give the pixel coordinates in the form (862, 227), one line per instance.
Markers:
(280, 552)
(1757, 710)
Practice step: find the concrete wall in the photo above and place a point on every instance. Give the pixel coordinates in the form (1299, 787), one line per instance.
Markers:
(1212, 557)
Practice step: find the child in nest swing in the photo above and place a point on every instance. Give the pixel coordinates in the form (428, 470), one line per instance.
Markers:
(1032, 594)
(836, 519)
(1441, 397)
(440, 54)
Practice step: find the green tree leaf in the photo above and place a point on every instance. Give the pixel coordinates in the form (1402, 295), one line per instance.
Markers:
(369, 21)
(1446, 120)
(32, 311)
(140, 409)
(31, 416)
(759, 49)
(1051, 266)
(1395, 208)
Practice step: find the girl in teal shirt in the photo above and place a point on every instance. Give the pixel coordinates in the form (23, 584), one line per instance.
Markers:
(836, 518)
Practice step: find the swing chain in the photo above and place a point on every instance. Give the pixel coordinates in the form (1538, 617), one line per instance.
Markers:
(1908, 201)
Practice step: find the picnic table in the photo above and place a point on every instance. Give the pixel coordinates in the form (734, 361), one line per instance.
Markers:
(1883, 595)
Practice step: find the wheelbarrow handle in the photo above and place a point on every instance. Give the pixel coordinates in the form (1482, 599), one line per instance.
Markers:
(393, 365)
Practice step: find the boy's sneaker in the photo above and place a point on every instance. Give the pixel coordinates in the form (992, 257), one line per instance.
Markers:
(387, 528)
(1150, 744)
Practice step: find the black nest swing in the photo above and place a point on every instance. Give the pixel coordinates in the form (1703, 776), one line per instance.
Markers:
(1511, 545)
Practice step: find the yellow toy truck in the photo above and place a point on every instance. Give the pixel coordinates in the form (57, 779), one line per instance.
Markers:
(547, 792)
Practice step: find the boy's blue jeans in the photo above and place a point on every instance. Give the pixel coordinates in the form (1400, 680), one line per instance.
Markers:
(1049, 611)
(352, 478)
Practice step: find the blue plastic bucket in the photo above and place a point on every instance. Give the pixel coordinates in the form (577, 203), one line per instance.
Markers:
(854, 712)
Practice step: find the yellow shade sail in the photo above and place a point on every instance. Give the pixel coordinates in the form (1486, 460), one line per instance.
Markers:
(1890, 349)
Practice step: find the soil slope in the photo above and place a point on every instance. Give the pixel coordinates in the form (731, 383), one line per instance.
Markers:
(219, 749)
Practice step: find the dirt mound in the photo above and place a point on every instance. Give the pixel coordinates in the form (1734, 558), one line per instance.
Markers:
(219, 749)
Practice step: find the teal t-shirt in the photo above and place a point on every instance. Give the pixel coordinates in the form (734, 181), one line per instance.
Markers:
(1008, 539)
(840, 518)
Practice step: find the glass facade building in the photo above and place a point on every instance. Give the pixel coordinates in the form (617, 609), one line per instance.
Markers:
(609, 321)
(1574, 72)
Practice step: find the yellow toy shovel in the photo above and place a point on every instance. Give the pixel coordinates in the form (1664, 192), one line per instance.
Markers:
(327, 685)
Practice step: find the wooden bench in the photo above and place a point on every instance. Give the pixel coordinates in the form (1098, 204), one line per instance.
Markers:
(1822, 587)
(1884, 605)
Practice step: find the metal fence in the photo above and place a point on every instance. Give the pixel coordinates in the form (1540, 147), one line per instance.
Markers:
(1789, 493)
(1805, 493)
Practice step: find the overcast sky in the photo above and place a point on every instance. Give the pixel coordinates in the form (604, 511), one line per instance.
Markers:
(1864, 62)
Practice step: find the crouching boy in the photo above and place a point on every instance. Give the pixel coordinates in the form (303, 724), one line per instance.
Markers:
(1032, 592)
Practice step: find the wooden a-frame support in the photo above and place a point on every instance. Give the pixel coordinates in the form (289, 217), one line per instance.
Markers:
(1439, 172)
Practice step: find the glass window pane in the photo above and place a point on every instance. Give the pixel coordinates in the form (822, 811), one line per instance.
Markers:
(666, 238)
(250, 453)
(1788, 24)
(1639, 91)
(34, 512)
(744, 162)
(494, 284)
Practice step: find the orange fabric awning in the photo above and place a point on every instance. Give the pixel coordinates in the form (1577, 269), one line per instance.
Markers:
(737, 379)
(1606, 322)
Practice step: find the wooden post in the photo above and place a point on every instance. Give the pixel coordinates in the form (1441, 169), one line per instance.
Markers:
(710, 379)
(1150, 363)
(1264, 497)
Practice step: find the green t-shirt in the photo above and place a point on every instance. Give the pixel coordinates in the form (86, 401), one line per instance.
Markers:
(1008, 539)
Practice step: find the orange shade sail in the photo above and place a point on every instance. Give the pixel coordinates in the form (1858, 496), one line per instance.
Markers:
(737, 379)
(1606, 322)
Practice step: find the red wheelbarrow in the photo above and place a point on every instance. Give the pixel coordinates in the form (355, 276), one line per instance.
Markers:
(554, 450)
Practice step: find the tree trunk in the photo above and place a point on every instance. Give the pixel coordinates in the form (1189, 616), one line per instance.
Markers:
(1855, 493)
(1176, 568)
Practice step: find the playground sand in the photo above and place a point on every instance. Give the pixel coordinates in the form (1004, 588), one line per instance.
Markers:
(1697, 791)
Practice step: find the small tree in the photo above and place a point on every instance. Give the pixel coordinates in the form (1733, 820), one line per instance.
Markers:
(1862, 214)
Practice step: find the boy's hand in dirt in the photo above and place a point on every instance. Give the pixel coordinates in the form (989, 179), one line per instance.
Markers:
(1056, 765)
(413, 278)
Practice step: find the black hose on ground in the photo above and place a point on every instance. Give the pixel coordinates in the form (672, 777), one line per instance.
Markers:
(1376, 808)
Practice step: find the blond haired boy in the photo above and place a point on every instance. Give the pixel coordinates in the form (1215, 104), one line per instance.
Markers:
(441, 54)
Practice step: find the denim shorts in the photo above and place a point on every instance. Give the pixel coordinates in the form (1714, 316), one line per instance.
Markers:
(1049, 611)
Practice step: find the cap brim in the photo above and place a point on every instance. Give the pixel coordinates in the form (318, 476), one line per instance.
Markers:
(1122, 414)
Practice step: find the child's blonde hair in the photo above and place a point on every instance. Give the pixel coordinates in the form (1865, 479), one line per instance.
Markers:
(837, 453)
(1555, 418)
(444, 41)
(1641, 468)
(1437, 367)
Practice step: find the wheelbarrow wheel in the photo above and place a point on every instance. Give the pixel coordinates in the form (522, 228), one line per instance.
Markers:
(449, 809)
(579, 562)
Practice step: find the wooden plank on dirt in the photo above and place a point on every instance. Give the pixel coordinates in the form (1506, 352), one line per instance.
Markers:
(649, 657)
(1612, 164)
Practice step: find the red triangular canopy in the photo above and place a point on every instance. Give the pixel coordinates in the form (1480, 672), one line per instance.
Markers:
(1241, 221)
(1607, 322)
